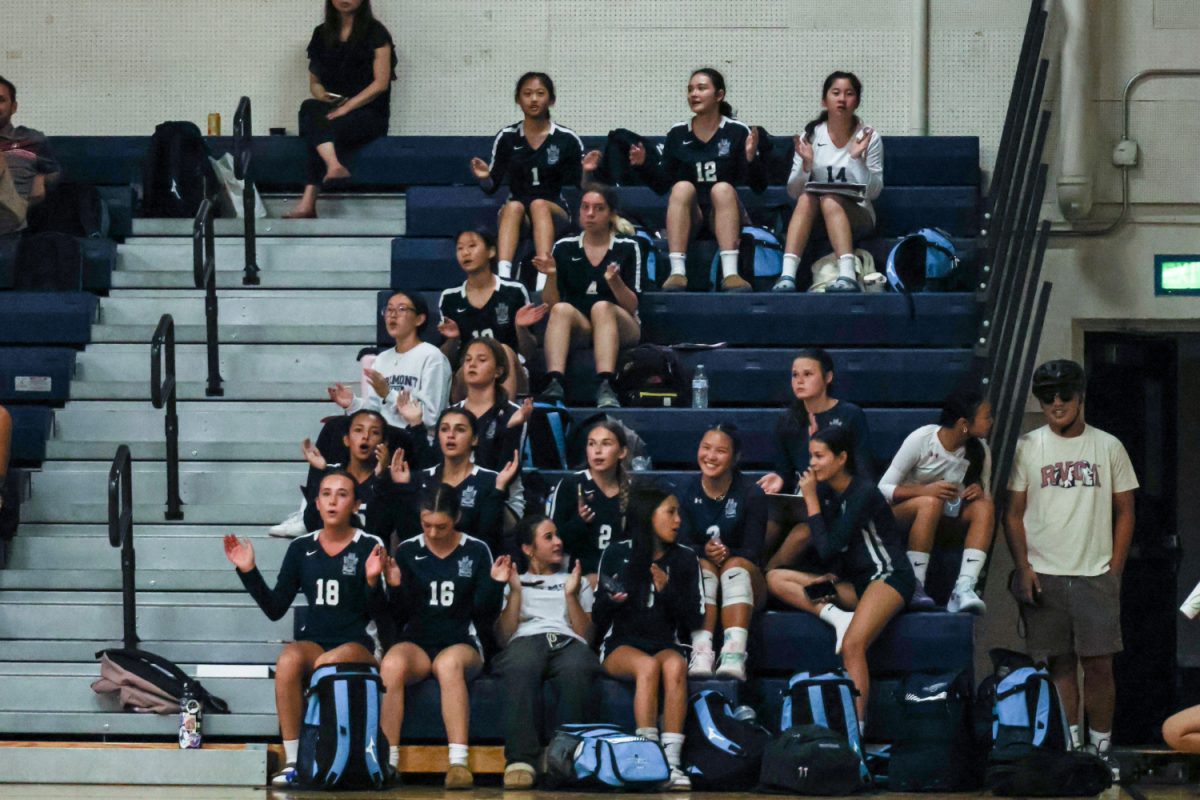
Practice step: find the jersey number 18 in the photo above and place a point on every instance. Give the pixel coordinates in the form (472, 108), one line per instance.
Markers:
(328, 590)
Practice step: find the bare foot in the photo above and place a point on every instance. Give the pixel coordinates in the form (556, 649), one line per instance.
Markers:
(301, 213)
(337, 173)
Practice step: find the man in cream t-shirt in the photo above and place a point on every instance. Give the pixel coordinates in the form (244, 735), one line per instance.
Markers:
(1069, 526)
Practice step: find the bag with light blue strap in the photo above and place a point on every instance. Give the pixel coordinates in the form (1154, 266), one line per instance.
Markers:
(341, 744)
(826, 700)
(721, 751)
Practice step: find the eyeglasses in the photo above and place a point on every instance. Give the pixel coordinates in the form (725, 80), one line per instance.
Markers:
(395, 311)
(1046, 396)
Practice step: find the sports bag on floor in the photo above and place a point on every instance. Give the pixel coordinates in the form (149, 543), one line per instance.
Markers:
(1046, 774)
(149, 683)
(341, 744)
(1027, 717)
(810, 759)
(826, 700)
(721, 751)
(604, 756)
(650, 375)
(934, 750)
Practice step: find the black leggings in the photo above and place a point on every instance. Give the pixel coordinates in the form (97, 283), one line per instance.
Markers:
(353, 130)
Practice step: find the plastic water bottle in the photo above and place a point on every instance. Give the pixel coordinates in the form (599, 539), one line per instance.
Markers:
(745, 714)
(191, 719)
(953, 508)
(699, 387)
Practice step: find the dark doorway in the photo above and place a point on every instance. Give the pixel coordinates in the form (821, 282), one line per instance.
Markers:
(1133, 394)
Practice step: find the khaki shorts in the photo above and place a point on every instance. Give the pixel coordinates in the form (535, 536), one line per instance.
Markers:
(1075, 614)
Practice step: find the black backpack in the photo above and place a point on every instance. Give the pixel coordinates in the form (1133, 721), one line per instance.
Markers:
(148, 672)
(546, 436)
(810, 759)
(615, 169)
(934, 750)
(177, 174)
(721, 751)
(650, 375)
(49, 262)
(341, 743)
(72, 208)
(1051, 774)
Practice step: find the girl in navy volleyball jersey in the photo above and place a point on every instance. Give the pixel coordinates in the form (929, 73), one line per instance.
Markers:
(482, 493)
(814, 409)
(724, 519)
(337, 568)
(592, 287)
(443, 587)
(860, 550)
(589, 506)
(367, 462)
(837, 149)
(702, 162)
(648, 598)
(537, 158)
(486, 305)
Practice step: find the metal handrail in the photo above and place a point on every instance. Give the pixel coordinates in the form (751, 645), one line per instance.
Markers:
(120, 534)
(163, 393)
(242, 156)
(204, 273)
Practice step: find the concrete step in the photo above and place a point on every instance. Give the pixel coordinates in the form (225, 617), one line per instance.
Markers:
(230, 494)
(341, 215)
(244, 315)
(208, 431)
(164, 563)
(36, 530)
(251, 371)
(98, 764)
(286, 263)
(84, 649)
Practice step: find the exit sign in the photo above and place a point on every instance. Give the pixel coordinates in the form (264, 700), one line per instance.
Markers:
(1177, 275)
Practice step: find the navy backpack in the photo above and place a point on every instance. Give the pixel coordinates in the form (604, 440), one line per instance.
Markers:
(341, 744)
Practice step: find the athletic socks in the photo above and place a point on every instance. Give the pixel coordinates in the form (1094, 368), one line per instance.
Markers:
(791, 263)
(729, 259)
(920, 564)
(648, 733)
(458, 754)
(734, 640)
(556, 376)
(291, 750)
(673, 746)
(846, 267)
(505, 269)
(678, 263)
(394, 757)
(1101, 740)
(1076, 737)
(606, 376)
(702, 640)
(972, 564)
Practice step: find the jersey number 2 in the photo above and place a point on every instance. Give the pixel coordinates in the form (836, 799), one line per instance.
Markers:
(706, 171)
(327, 591)
(441, 594)
(605, 536)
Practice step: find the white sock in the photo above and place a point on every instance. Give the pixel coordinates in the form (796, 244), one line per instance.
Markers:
(729, 260)
(846, 267)
(678, 263)
(458, 754)
(673, 746)
(504, 268)
(972, 563)
(394, 757)
(1076, 736)
(920, 564)
(735, 640)
(648, 733)
(702, 640)
(791, 263)
(1191, 606)
(1101, 740)
(291, 750)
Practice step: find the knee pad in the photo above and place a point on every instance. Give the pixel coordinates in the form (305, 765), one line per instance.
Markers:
(735, 587)
(709, 585)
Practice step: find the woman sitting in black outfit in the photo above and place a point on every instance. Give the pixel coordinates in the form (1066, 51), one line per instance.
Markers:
(351, 66)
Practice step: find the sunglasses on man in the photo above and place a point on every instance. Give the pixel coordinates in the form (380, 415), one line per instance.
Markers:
(1046, 396)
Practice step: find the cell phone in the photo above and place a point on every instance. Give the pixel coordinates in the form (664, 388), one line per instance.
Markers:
(336, 99)
(612, 585)
(822, 590)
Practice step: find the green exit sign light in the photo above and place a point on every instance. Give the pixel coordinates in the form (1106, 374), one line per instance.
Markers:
(1177, 275)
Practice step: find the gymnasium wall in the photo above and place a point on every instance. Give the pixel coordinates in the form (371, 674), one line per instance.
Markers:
(122, 66)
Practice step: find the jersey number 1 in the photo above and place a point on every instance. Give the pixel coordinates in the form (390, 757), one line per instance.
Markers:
(706, 171)
(327, 591)
(536, 181)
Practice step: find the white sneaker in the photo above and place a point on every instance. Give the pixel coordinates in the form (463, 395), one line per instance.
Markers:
(290, 528)
(1191, 606)
(285, 777)
(701, 663)
(733, 665)
(679, 781)
(964, 599)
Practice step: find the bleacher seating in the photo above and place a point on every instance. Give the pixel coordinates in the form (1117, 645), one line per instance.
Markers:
(897, 365)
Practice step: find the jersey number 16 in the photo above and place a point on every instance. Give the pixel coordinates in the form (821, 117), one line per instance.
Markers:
(441, 593)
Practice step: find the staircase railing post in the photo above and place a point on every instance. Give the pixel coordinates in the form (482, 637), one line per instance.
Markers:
(120, 534)
(163, 394)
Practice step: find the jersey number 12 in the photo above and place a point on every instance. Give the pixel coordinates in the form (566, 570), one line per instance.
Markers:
(706, 171)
